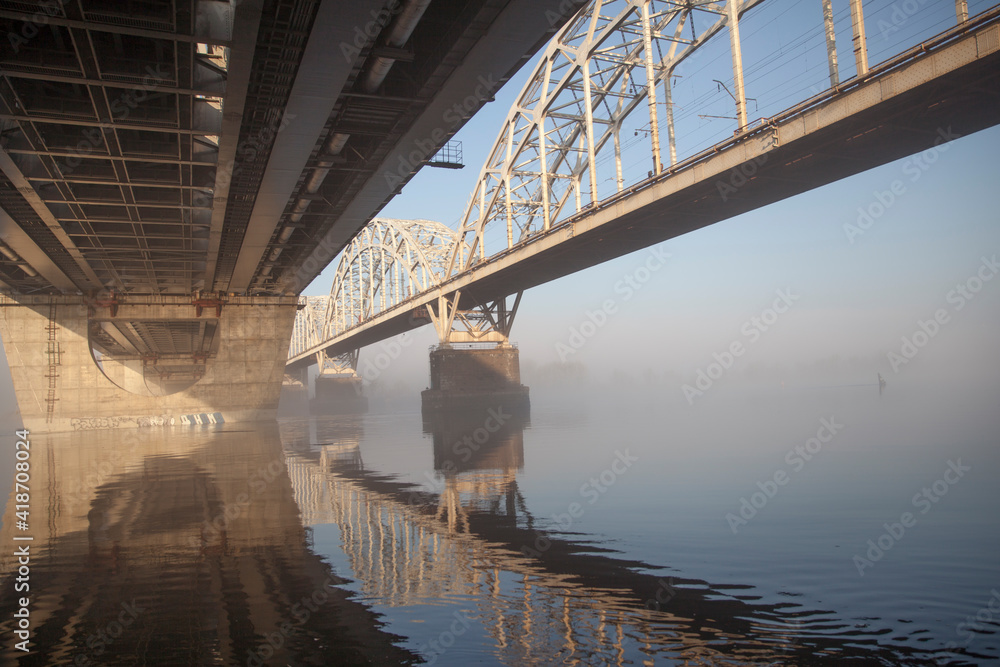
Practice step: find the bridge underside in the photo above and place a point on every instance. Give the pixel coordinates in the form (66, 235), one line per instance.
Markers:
(168, 148)
(898, 110)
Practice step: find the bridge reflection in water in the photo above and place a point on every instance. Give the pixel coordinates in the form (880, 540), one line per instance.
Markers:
(150, 548)
(468, 540)
(167, 547)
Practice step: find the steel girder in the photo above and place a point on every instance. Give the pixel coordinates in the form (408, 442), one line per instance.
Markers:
(111, 119)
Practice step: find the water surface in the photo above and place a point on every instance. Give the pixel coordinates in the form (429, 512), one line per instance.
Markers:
(616, 526)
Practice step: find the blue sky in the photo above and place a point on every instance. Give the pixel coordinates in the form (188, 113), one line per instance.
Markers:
(856, 299)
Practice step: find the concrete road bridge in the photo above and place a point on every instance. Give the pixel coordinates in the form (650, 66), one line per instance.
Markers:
(174, 175)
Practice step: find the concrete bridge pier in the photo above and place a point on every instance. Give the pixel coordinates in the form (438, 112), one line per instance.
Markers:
(116, 362)
(294, 401)
(485, 369)
(339, 394)
(471, 378)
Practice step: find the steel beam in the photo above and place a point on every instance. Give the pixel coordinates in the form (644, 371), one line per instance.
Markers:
(19, 241)
(115, 29)
(24, 187)
(859, 39)
(159, 129)
(117, 158)
(246, 24)
(107, 83)
(318, 82)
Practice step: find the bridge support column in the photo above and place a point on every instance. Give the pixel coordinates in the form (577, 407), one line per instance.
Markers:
(147, 361)
(338, 395)
(487, 371)
(294, 400)
(463, 379)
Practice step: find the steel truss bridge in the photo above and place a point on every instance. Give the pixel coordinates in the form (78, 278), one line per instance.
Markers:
(553, 198)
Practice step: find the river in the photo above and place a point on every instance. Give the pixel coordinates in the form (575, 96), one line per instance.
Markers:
(613, 526)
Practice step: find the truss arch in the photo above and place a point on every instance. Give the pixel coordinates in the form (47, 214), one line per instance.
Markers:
(388, 262)
(606, 64)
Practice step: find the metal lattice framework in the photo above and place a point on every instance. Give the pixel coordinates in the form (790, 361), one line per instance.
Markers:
(309, 322)
(388, 262)
(606, 64)
(116, 160)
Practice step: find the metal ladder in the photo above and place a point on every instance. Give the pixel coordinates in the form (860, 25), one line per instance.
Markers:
(52, 350)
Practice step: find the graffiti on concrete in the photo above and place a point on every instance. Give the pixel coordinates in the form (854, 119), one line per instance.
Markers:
(91, 423)
(202, 419)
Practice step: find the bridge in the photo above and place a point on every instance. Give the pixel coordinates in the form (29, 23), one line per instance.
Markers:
(209, 175)
(172, 174)
(552, 198)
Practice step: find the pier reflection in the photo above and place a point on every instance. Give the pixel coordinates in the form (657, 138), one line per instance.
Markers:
(539, 597)
(478, 455)
(164, 547)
